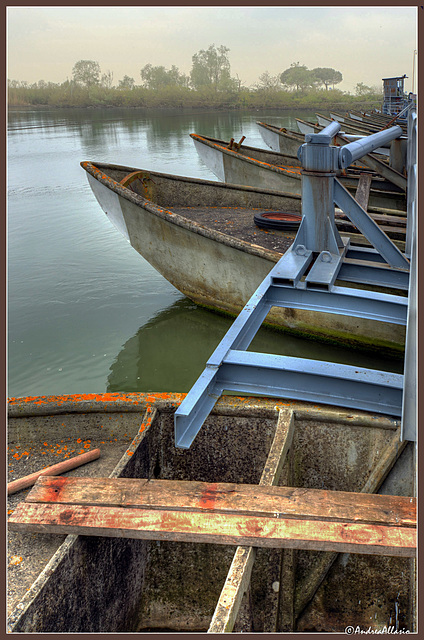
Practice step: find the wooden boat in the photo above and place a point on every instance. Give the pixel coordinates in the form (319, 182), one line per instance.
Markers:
(349, 127)
(280, 139)
(367, 124)
(200, 235)
(270, 170)
(61, 583)
(379, 119)
(366, 127)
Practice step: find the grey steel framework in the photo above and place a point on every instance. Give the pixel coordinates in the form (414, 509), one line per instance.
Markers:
(409, 406)
(319, 250)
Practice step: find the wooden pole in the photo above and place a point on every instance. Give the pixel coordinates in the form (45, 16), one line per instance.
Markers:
(54, 470)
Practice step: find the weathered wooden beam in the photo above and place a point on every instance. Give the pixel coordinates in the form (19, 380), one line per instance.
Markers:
(363, 190)
(238, 577)
(215, 528)
(285, 620)
(306, 590)
(235, 586)
(273, 502)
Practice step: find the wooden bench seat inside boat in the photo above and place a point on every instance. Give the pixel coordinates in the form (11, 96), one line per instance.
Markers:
(221, 513)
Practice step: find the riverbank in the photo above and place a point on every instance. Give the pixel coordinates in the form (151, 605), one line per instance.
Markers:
(72, 96)
(202, 108)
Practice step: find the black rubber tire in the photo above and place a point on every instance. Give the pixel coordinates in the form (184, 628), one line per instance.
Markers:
(277, 220)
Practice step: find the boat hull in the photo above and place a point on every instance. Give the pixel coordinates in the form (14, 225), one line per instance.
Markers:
(233, 167)
(174, 586)
(221, 272)
(280, 141)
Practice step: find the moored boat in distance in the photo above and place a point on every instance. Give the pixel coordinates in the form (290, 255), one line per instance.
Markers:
(245, 165)
(201, 236)
(281, 139)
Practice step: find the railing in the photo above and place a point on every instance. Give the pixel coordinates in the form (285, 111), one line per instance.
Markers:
(409, 406)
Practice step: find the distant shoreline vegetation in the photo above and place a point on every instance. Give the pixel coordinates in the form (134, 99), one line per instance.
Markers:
(208, 86)
(58, 96)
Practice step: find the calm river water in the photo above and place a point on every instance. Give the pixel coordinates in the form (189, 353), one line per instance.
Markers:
(87, 314)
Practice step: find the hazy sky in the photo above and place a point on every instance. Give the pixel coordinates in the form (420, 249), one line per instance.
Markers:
(365, 43)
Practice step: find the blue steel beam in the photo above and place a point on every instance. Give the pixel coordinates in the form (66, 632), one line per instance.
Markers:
(232, 368)
(286, 377)
(373, 273)
(412, 178)
(324, 271)
(198, 403)
(368, 227)
(312, 381)
(331, 129)
(276, 290)
(410, 400)
(365, 253)
(382, 307)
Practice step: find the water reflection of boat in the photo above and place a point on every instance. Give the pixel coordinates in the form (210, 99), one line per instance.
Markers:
(168, 352)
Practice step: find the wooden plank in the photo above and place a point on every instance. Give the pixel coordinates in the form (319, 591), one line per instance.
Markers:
(392, 220)
(238, 578)
(235, 586)
(287, 588)
(215, 528)
(280, 446)
(227, 498)
(363, 190)
(285, 622)
(307, 589)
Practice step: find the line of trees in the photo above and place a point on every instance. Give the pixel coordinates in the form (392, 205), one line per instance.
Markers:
(209, 84)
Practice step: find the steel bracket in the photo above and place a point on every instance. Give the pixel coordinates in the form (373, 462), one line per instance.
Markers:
(305, 278)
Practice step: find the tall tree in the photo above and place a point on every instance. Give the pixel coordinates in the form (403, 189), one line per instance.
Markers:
(297, 76)
(160, 77)
(267, 82)
(107, 79)
(86, 72)
(327, 76)
(362, 89)
(126, 83)
(211, 68)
